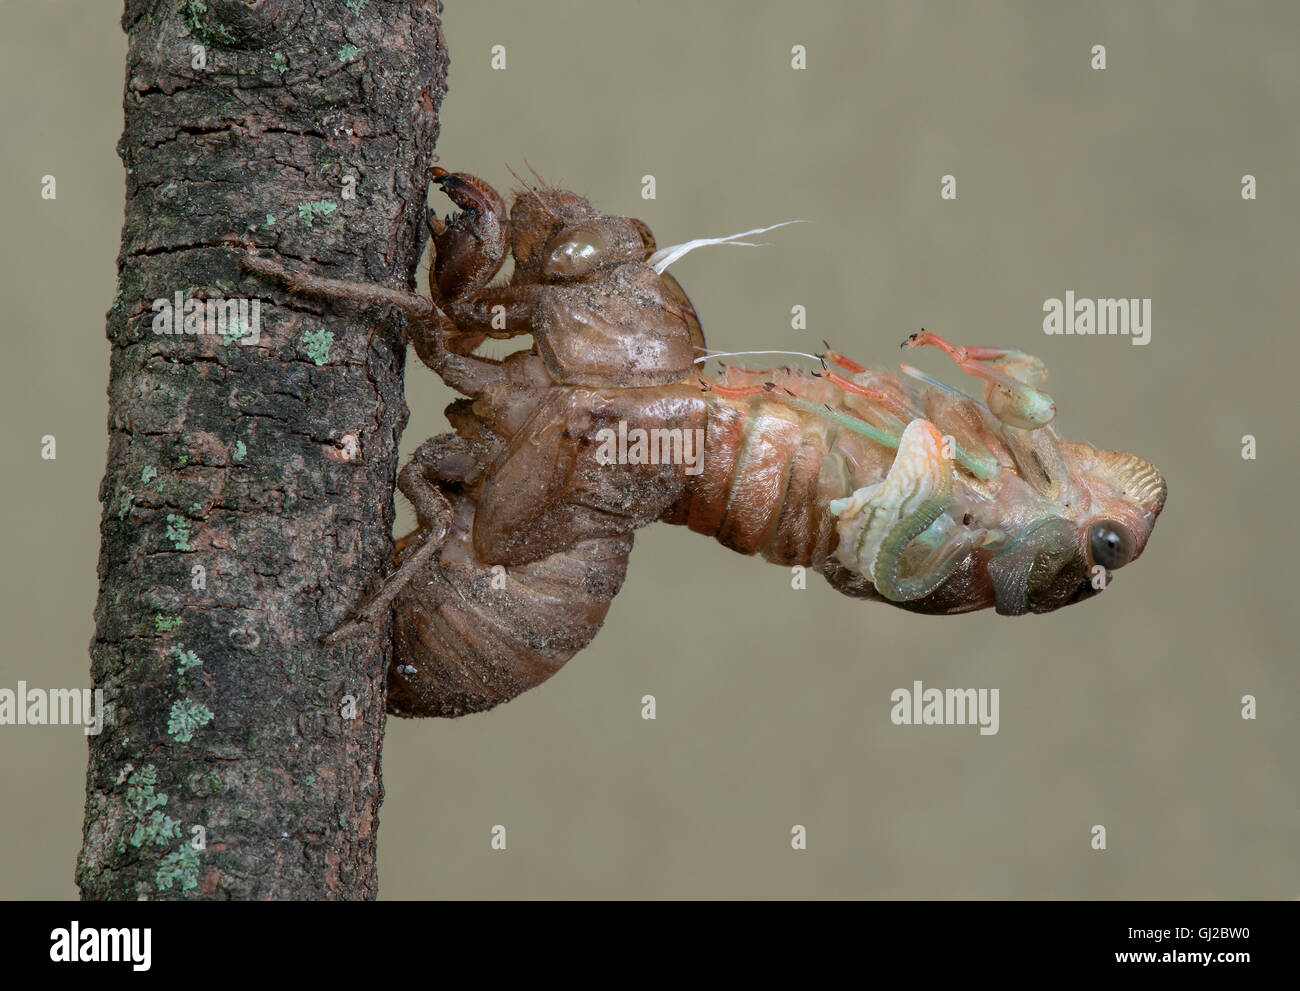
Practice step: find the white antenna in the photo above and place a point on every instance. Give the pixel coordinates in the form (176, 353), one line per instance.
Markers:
(741, 354)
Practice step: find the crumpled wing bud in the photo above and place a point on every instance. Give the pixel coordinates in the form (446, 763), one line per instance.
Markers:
(899, 531)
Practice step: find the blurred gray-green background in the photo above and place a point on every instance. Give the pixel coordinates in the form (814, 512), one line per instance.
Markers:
(773, 704)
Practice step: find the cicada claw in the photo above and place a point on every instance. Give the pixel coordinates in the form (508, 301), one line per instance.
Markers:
(470, 246)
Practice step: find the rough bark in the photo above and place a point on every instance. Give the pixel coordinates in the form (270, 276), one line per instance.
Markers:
(271, 466)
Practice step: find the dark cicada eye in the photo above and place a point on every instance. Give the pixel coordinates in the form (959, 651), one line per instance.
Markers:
(1110, 544)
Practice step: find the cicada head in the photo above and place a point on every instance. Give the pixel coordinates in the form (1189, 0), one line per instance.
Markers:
(932, 538)
(558, 236)
(1115, 499)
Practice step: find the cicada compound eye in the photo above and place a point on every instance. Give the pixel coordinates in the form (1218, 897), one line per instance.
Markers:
(575, 253)
(1110, 544)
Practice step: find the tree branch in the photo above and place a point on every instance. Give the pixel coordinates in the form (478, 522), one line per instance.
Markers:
(248, 496)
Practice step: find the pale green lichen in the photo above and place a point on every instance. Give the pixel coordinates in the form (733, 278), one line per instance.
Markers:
(181, 868)
(146, 823)
(195, 13)
(356, 6)
(240, 452)
(178, 532)
(187, 716)
(149, 474)
(126, 500)
(234, 330)
(185, 660)
(318, 344)
(348, 52)
(279, 63)
(165, 624)
(319, 208)
(270, 219)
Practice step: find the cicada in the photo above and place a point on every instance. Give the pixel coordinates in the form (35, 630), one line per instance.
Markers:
(895, 486)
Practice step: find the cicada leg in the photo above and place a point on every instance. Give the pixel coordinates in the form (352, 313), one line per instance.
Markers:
(438, 342)
(415, 306)
(433, 511)
(1012, 377)
(468, 249)
(1013, 397)
(895, 405)
(835, 358)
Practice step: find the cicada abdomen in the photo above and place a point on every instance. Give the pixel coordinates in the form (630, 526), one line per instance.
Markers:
(780, 445)
(470, 636)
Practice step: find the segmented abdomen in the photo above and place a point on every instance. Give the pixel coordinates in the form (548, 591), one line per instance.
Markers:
(469, 636)
(772, 464)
